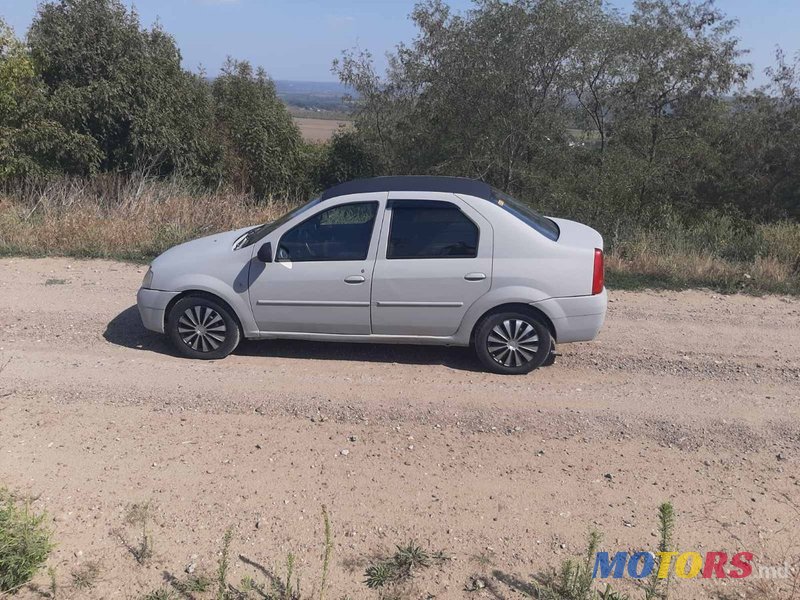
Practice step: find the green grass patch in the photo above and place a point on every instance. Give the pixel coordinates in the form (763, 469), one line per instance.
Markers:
(25, 541)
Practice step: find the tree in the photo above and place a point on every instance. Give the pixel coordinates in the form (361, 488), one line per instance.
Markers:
(118, 83)
(261, 142)
(480, 94)
(344, 158)
(760, 168)
(31, 143)
(681, 61)
(493, 93)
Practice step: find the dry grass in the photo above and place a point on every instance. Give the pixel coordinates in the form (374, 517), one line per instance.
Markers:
(133, 221)
(688, 270)
(765, 259)
(138, 218)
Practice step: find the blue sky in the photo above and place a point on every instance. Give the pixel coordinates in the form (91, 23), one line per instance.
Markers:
(297, 39)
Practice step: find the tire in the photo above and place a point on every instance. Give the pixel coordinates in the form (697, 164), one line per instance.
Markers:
(202, 328)
(551, 358)
(512, 343)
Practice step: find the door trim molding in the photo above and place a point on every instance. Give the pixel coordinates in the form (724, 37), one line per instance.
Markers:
(419, 304)
(310, 303)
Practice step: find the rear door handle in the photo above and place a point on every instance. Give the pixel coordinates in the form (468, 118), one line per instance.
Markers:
(355, 279)
(475, 276)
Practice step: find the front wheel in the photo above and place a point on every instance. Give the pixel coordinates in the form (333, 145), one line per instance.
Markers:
(202, 328)
(512, 343)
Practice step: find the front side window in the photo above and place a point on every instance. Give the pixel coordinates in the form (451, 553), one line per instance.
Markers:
(430, 229)
(339, 233)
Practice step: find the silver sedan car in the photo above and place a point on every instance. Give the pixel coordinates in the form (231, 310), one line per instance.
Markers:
(409, 260)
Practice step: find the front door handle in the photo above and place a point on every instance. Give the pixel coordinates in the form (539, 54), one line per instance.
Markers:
(355, 279)
(475, 276)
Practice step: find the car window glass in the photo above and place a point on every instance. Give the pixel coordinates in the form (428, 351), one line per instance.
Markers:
(259, 233)
(547, 227)
(339, 233)
(431, 230)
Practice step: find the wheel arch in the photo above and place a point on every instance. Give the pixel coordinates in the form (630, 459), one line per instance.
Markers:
(209, 296)
(514, 307)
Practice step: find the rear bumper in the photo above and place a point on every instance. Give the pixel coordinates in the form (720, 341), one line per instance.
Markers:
(577, 318)
(152, 304)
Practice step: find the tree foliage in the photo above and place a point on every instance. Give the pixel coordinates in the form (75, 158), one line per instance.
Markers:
(615, 119)
(761, 134)
(94, 91)
(120, 84)
(31, 141)
(584, 111)
(261, 141)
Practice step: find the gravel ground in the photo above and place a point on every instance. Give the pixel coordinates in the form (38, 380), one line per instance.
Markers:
(686, 396)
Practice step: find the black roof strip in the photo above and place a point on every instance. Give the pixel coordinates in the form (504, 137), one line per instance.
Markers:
(411, 183)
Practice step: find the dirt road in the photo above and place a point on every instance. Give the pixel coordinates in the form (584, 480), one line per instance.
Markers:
(686, 396)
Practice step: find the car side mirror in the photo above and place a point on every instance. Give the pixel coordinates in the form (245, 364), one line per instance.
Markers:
(265, 253)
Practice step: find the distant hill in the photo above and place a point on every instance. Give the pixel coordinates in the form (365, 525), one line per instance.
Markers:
(333, 88)
(315, 96)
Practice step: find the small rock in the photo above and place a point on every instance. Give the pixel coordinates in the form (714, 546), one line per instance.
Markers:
(353, 438)
(475, 584)
(345, 452)
(780, 456)
(190, 568)
(609, 476)
(258, 446)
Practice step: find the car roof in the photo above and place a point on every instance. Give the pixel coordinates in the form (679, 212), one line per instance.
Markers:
(411, 183)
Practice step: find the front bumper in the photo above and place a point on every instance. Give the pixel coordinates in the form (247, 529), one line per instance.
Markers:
(152, 304)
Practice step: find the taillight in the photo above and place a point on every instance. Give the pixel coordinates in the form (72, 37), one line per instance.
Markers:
(598, 276)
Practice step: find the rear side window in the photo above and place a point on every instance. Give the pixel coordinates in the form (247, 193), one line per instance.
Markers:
(527, 215)
(339, 233)
(430, 229)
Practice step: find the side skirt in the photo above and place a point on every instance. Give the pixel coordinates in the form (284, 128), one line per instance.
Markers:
(367, 339)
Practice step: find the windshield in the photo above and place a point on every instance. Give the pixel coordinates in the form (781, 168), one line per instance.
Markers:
(260, 232)
(526, 214)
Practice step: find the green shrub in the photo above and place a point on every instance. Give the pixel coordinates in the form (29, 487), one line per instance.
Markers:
(24, 542)
(401, 566)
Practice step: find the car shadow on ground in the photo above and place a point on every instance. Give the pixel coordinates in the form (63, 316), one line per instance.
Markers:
(126, 330)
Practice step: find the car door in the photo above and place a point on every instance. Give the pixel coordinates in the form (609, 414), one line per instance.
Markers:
(319, 280)
(434, 261)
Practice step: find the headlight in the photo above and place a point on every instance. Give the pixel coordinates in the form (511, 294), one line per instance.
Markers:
(148, 278)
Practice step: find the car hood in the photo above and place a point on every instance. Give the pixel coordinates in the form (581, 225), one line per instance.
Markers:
(201, 248)
(572, 233)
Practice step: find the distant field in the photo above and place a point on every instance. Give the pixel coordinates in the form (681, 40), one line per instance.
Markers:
(319, 130)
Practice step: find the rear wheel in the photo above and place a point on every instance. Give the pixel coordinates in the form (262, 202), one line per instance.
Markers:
(512, 343)
(202, 328)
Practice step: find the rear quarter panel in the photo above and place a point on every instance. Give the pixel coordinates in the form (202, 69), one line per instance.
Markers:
(525, 258)
(529, 268)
